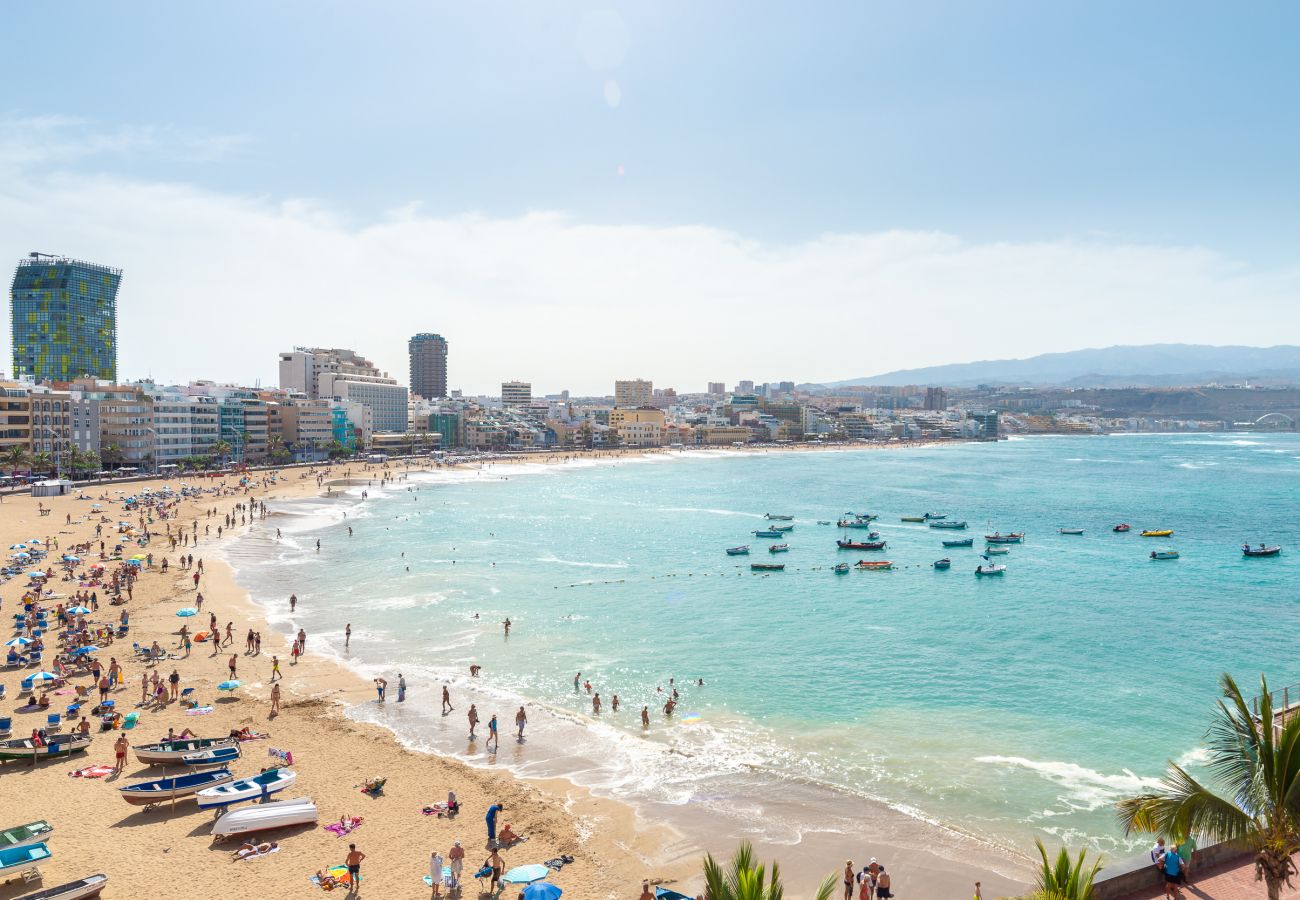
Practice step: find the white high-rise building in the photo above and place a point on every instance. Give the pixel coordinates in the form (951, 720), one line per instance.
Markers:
(337, 374)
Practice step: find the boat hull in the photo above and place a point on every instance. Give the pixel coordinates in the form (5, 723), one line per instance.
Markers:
(165, 790)
(969, 542)
(246, 789)
(23, 857)
(90, 886)
(1163, 532)
(265, 816)
(172, 753)
(58, 746)
(1267, 551)
(31, 833)
(1013, 538)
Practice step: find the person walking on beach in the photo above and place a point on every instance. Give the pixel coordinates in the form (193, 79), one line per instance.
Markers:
(883, 891)
(493, 811)
(435, 872)
(275, 700)
(353, 862)
(473, 720)
(494, 739)
(275, 668)
(446, 701)
(978, 894)
(380, 686)
(848, 879)
(456, 859)
(521, 719)
(119, 751)
(302, 642)
(645, 717)
(234, 661)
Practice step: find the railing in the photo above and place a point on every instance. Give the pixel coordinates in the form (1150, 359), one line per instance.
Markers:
(1280, 698)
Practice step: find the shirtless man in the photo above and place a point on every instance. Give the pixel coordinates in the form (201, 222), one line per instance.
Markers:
(446, 700)
(120, 747)
(521, 719)
(473, 720)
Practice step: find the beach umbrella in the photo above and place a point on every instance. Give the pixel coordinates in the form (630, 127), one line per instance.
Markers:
(526, 874)
(41, 676)
(186, 612)
(542, 890)
(17, 546)
(34, 541)
(18, 642)
(72, 559)
(229, 685)
(79, 611)
(36, 574)
(84, 651)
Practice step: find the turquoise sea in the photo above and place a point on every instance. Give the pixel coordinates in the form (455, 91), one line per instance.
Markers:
(1001, 707)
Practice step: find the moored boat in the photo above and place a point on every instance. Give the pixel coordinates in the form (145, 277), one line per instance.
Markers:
(766, 567)
(947, 524)
(962, 542)
(913, 518)
(943, 563)
(54, 746)
(1158, 532)
(1261, 550)
(170, 753)
(779, 548)
(875, 565)
(1164, 554)
(22, 857)
(783, 528)
(778, 518)
(997, 550)
(933, 516)
(861, 545)
(31, 833)
(738, 551)
(855, 523)
(1011, 537)
(840, 568)
(1071, 531)
(82, 888)
(163, 790)
(768, 533)
(989, 568)
(1122, 527)
(262, 785)
(265, 816)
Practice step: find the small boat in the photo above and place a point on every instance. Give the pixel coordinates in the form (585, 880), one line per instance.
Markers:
(261, 785)
(840, 568)
(163, 790)
(1261, 550)
(963, 542)
(1158, 532)
(213, 756)
(861, 545)
(169, 753)
(945, 524)
(1013, 537)
(997, 550)
(854, 523)
(1071, 531)
(738, 551)
(913, 518)
(779, 548)
(55, 745)
(769, 533)
(31, 833)
(934, 516)
(1122, 527)
(782, 528)
(1164, 554)
(778, 518)
(990, 569)
(861, 517)
(265, 816)
(22, 857)
(943, 563)
(823, 521)
(767, 567)
(875, 565)
(662, 893)
(90, 886)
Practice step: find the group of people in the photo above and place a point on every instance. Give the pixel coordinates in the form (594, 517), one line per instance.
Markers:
(1174, 862)
(871, 883)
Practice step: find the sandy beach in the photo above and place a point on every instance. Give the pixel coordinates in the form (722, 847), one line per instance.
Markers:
(614, 848)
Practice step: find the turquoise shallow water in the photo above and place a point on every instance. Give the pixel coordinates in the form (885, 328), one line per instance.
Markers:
(1006, 707)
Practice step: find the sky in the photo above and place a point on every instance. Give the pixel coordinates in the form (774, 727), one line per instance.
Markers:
(689, 192)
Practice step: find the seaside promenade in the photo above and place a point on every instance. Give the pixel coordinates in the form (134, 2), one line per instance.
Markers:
(1233, 880)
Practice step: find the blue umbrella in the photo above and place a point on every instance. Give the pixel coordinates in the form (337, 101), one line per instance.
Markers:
(187, 611)
(17, 546)
(229, 685)
(36, 574)
(543, 890)
(83, 651)
(79, 611)
(526, 874)
(41, 676)
(18, 642)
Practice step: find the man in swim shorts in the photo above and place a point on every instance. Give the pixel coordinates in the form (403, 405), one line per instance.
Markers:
(353, 862)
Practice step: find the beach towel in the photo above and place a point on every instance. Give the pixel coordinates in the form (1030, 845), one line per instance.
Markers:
(446, 877)
(437, 809)
(198, 711)
(92, 772)
(339, 874)
(558, 863)
(338, 829)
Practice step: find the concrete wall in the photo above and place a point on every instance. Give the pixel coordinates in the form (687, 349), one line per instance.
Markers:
(1124, 877)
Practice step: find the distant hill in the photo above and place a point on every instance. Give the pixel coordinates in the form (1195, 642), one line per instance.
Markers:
(1148, 365)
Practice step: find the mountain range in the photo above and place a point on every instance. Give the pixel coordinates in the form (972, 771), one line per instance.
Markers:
(1147, 365)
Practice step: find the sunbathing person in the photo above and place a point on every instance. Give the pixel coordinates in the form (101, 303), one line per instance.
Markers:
(248, 849)
(328, 882)
(507, 837)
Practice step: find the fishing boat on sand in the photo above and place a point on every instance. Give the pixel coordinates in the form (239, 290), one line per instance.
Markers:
(1122, 527)
(31, 833)
(961, 542)
(945, 524)
(1011, 537)
(82, 888)
(265, 816)
(1164, 554)
(260, 785)
(24, 857)
(163, 790)
(738, 551)
(779, 548)
(1158, 532)
(171, 753)
(767, 567)
(875, 565)
(861, 545)
(944, 563)
(54, 746)
(213, 756)
(1261, 550)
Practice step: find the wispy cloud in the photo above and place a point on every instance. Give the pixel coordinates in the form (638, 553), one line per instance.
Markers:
(48, 140)
(216, 284)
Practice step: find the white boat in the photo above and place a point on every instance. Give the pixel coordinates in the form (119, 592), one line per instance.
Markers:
(265, 816)
(261, 785)
(990, 569)
(173, 753)
(90, 886)
(21, 835)
(997, 550)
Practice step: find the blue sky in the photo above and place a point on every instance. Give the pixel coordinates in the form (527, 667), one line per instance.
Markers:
(1165, 127)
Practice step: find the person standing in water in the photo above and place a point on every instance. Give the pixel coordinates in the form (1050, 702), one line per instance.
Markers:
(521, 719)
(472, 715)
(446, 701)
(506, 623)
(494, 740)
(347, 636)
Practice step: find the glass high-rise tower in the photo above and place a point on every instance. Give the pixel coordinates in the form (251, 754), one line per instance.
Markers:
(428, 365)
(64, 319)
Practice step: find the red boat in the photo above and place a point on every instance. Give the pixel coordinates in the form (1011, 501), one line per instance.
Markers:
(861, 545)
(1122, 528)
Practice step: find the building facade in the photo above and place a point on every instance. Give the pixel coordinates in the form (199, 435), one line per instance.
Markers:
(516, 393)
(428, 353)
(936, 399)
(64, 315)
(344, 375)
(633, 393)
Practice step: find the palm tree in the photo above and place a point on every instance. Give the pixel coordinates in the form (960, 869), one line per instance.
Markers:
(1064, 878)
(221, 449)
(1257, 762)
(111, 454)
(42, 461)
(16, 457)
(744, 879)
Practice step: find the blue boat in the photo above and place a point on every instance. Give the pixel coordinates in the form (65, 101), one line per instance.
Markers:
(738, 551)
(769, 533)
(22, 857)
(151, 793)
(964, 542)
(943, 563)
(841, 568)
(662, 893)
(957, 525)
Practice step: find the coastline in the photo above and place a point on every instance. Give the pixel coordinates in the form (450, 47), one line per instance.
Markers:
(616, 843)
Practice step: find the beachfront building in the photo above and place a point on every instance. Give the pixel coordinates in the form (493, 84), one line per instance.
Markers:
(184, 427)
(516, 393)
(638, 427)
(633, 393)
(15, 415)
(126, 429)
(304, 428)
(64, 315)
(344, 375)
(428, 353)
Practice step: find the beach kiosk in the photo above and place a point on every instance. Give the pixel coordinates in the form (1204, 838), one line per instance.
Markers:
(55, 487)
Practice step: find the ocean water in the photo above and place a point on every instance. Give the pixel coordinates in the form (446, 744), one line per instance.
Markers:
(1004, 707)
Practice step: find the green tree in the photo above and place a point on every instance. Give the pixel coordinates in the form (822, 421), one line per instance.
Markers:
(111, 454)
(222, 450)
(42, 462)
(16, 457)
(1065, 878)
(1256, 762)
(745, 879)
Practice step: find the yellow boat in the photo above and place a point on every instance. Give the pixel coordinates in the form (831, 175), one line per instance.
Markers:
(1163, 532)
